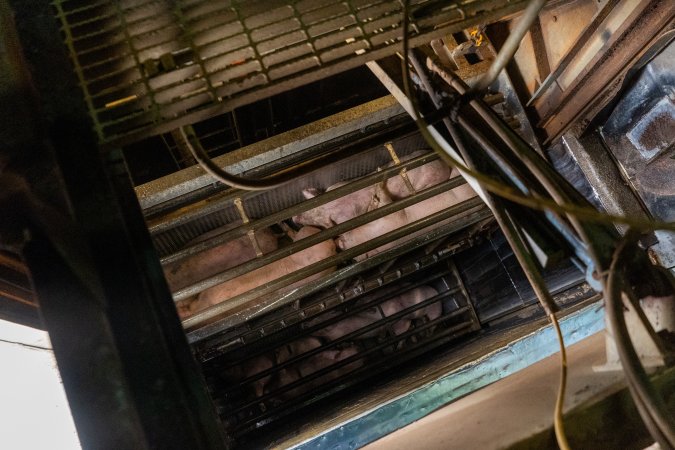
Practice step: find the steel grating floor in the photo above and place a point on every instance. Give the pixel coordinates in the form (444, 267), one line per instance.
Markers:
(147, 67)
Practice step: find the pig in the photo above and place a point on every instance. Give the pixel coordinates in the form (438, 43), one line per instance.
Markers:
(222, 257)
(386, 309)
(400, 218)
(312, 364)
(407, 300)
(422, 177)
(250, 368)
(349, 325)
(357, 203)
(374, 228)
(416, 296)
(268, 273)
(337, 211)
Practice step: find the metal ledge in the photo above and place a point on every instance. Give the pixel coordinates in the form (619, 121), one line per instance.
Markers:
(355, 427)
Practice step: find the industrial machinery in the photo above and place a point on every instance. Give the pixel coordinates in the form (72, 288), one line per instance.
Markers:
(236, 218)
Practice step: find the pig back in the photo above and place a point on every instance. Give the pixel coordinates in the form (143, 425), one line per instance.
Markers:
(222, 257)
(422, 177)
(269, 273)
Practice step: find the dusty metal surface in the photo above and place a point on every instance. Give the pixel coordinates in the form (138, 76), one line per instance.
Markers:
(360, 118)
(191, 218)
(147, 68)
(604, 176)
(640, 134)
(591, 82)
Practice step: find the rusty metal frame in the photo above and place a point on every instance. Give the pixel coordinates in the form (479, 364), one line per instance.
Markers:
(603, 77)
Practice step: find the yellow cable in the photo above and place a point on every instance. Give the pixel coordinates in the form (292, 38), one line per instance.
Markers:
(558, 424)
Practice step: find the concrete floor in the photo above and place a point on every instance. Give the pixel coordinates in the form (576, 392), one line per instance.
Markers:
(511, 409)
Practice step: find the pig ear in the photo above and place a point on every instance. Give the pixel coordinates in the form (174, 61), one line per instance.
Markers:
(310, 192)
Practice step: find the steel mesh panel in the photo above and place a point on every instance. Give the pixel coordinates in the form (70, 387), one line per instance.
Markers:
(149, 66)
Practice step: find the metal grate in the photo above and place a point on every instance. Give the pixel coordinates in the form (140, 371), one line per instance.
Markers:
(244, 410)
(148, 66)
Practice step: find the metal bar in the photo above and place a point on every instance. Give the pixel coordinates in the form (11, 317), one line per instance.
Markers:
(267, 81)
(514, 143)
(272, 219)
(539, 49)
(314, 239)
(360, 355)
(356, 250)
(378, 324)
(277, 299)
(17, 293)
(590, 29)
(90, 368)
(332, 320)
(510, 46)
(601, 78)
(13, 263)
(347, 124)
(295, 384)
(462, 288)
(211, 349)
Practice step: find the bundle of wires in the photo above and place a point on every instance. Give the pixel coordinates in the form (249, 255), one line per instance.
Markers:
(586, 221)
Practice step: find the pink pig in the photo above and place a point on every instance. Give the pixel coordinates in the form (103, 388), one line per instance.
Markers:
(222, 257)
(266, 274)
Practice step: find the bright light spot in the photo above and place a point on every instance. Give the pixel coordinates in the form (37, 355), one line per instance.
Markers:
(34, 412)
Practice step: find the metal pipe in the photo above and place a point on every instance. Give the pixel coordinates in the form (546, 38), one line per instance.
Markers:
(204, 160)
(513, 142)
(314, 239)
(278, 299)
(396, 338)
(510, 46)
(319, 200)
(384, 320)
(513, 235)
(411, 352)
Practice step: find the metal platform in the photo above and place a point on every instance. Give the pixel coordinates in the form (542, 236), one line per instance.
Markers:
(146, 67)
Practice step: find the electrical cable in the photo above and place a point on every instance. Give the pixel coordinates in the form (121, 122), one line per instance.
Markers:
(520, 250)
(558, 423)
(206, 163)
(501, 189)
(648, 404)
(653, 411)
